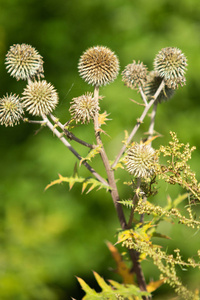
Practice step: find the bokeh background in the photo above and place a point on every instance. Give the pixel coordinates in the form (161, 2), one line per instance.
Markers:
(49, 237)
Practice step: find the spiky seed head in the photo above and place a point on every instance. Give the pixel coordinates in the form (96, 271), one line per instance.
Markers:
(24, 62)
(153, 83)
(39, 97)
(140, 160)
(171, 64)
(11, 110)
(98, 66)
(84, 108)
(135, 75)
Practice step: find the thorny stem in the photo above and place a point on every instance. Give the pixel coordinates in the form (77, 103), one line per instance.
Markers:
(135, 200)
(152, 123)
(140, 120)
(68, 145)
(69, 134)
(143, 95)
(115, 196)
(109, 171)
(33, 121)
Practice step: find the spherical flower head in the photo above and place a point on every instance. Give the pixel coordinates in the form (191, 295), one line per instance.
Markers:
(39, 97)
(171, 65)
(98, 66)
(24, 62)
(134, 75)
(11, 110)
(153, 83)
(84, 108)
(140, 160)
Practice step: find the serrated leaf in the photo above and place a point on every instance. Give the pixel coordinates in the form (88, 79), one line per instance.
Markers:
(128, 290)
(124, 235)
(102, 283)
(103, 118)
(91, 154)
(154, 285)
(122, 269)
(86, 287)
(109, 291)
(85, 181)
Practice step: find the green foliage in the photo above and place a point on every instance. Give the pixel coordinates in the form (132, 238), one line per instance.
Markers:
(112, 291)
(85, 182)
(177, 170)
(60, 31)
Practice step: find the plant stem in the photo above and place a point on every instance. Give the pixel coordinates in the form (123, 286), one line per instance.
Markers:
(152, 123)
(69, 134)
(115, 196)
(135, 200)
(68, 145)
(140, 120)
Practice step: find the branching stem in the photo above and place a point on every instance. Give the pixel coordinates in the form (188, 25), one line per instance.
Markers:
(140, 120)
(69, 134)
(68, 145)
(115, 196)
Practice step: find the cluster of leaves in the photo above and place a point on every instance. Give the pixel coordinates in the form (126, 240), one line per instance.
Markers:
(177, 170)
(140, 236)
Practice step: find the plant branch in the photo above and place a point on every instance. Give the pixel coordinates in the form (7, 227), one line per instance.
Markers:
(69, 134)
(152, 123)
(115, 196)
(26, 120)
(135, 200)
(140, 120)
(68, 145)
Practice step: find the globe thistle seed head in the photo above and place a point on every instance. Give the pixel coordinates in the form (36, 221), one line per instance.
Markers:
(98, 66)
(134, 75)
(39, 97)
(171, 64)
(140, 160)
(153, 83)
(84, 108)
(11, 110)
(24, 62)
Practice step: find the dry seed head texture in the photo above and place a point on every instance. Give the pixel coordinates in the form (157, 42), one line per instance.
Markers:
(140, 160)
(40, 97)
(171, 64)
(134, 75)
(11, 110)
(24, 62)
(84, 108)
(153, 83)
(98, 66)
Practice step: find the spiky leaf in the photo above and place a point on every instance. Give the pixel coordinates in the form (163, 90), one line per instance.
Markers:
(92, 183)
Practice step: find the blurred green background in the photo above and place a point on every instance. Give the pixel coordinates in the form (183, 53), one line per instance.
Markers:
(49, 237)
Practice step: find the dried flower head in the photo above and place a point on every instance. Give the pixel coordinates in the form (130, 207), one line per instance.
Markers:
(171, 65)
(141, 160)
(84, 108)
(153, 83)
(24, 62)
(135, 75)
(11, 110)
(98, 66)
(39, 97)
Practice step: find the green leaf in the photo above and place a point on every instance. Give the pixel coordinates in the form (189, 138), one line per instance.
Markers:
(91, 154)
(86, 288)
(111, 290)
(85, 181)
